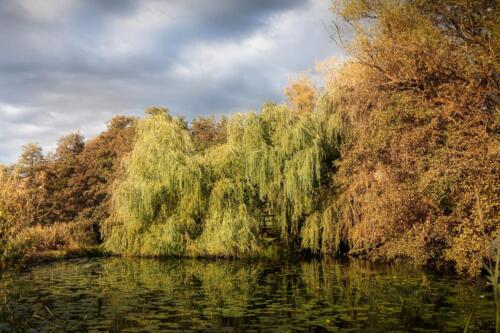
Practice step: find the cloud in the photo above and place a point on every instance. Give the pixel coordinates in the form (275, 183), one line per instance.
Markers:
(70, 65)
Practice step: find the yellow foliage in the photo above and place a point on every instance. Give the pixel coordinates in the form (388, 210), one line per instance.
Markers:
(178, 200)
(418, 106)
(301, 95)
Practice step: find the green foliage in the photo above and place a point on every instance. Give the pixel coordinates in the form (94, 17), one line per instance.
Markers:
(177, 200)
(161, 195)
(396, 157)
(230, 228)
(323, 231)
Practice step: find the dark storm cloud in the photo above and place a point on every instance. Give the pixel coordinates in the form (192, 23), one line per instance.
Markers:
(69, 65)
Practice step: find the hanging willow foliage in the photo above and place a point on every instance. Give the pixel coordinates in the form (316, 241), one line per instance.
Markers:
(155, 206)
(176, 200)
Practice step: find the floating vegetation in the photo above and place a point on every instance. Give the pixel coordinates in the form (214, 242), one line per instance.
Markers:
(189, 295)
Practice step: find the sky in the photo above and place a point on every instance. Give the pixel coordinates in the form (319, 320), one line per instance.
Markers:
(70, 65)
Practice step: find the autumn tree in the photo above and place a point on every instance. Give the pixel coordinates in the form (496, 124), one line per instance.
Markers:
(155, 110)
(31, 157)
(419, 103)
(301, 95)
(70, 146)
(59, 170)
(11, 210)
(60, 200)
(208, 132)
(99, 165)
(30, 174)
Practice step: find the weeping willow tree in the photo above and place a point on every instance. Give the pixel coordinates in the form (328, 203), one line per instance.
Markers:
(156, 205)
(177, 200)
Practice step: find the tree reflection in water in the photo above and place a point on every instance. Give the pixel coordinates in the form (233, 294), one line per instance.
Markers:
(137, 295)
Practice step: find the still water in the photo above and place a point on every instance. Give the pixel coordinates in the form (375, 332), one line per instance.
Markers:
(147, 295)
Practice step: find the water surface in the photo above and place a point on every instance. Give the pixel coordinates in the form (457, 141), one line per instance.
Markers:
(148, 295)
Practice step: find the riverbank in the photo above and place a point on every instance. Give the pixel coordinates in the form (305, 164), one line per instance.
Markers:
(42, 257)
(64, 254)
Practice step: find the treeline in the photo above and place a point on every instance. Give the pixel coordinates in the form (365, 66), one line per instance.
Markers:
(58, 201)
(179, 198)
(396, 156)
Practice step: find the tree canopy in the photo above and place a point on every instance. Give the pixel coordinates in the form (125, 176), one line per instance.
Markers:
(395, 156)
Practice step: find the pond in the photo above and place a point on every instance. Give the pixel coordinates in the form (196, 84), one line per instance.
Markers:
(148, 295)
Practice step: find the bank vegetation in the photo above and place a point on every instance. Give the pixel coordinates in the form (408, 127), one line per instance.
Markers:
(395, 156)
